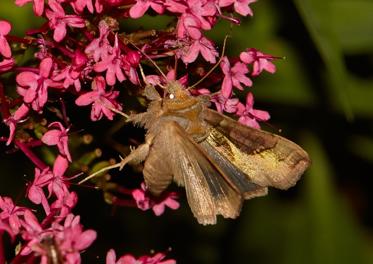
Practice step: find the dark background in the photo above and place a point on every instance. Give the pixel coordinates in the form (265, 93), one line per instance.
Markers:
(321, 97)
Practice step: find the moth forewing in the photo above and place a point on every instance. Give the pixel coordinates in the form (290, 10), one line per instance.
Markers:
(208, 193)
(267, 159)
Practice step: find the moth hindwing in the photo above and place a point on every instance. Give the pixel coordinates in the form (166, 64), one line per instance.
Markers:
(219, 161)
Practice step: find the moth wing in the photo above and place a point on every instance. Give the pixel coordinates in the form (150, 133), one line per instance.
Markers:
(266, 159)
(207, 191)
(157, 170)
(233, 175)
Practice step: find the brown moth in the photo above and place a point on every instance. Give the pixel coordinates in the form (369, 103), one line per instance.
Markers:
(219, 161)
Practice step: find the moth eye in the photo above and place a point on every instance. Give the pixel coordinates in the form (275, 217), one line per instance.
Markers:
(172, 96)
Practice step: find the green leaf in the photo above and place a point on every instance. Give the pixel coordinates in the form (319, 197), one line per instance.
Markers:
(316, 16)
(333, 233)
(352, 23)
(361, 146)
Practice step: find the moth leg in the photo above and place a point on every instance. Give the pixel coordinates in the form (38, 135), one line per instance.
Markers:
(136, 156)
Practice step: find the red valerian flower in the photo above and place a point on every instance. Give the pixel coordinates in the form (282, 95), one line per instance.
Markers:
(79, 6)
(112, 64)
(65, 204)
(69, 238)
(234, 76)
(71, 73)
(58, 20)
(141, 6)
(6, 65)
(38, 5)
(72, 239)
(250, 116)
(259, 60)
(35, 191)
(10, 214)
(144, 201)
(100, 47)
(240, 6)
(54, 180)
(224, 103)
(34, 87)
(102, 101)
(196, 15)
(59, 137)
(190, 52)
(5, 28)
(17, 116)
(130, 259)
(32, 232)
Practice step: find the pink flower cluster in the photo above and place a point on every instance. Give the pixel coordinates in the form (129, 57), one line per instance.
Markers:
(145, 201)
(129, 259)
(66, 232)
(81, 53)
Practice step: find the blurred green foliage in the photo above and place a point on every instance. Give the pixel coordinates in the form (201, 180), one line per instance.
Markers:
(322, 98)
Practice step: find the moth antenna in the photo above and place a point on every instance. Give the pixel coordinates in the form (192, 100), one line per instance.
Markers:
(144, 78)
(143, 74)
(85, 186)
(150, 59)
(214, 67)
(116, 165)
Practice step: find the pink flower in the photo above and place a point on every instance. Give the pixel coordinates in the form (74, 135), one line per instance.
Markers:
(141, 6)
(224, 103)
(102, 101)
(38, 5)
(35, 191)
(72, 239)
(5, 28)
(144, 201)
(69, 238)
(130, 61)
(10, 214)
(17, 116)
(158, 259)
(112, 64)
(240, 6)
(196, 15)
(6, 65)
(189, 26)
(32, 231)
(58, 137)
(65, 204)
(54, 180)
(204, 46)
(100, 47)
(79, 5)
(234, 76)
(130, 259)
(259, 60)
(71, 73)
(250, 116)
(70, 76)
(58, 20)
(34, 87)
(168, 200)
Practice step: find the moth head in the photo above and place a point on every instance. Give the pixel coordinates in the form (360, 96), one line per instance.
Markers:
(176, 91)
(151, 93)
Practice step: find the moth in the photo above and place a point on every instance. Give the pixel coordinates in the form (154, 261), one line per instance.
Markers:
(219, 161)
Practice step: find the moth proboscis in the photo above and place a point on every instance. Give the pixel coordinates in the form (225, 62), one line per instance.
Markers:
(219, 161)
